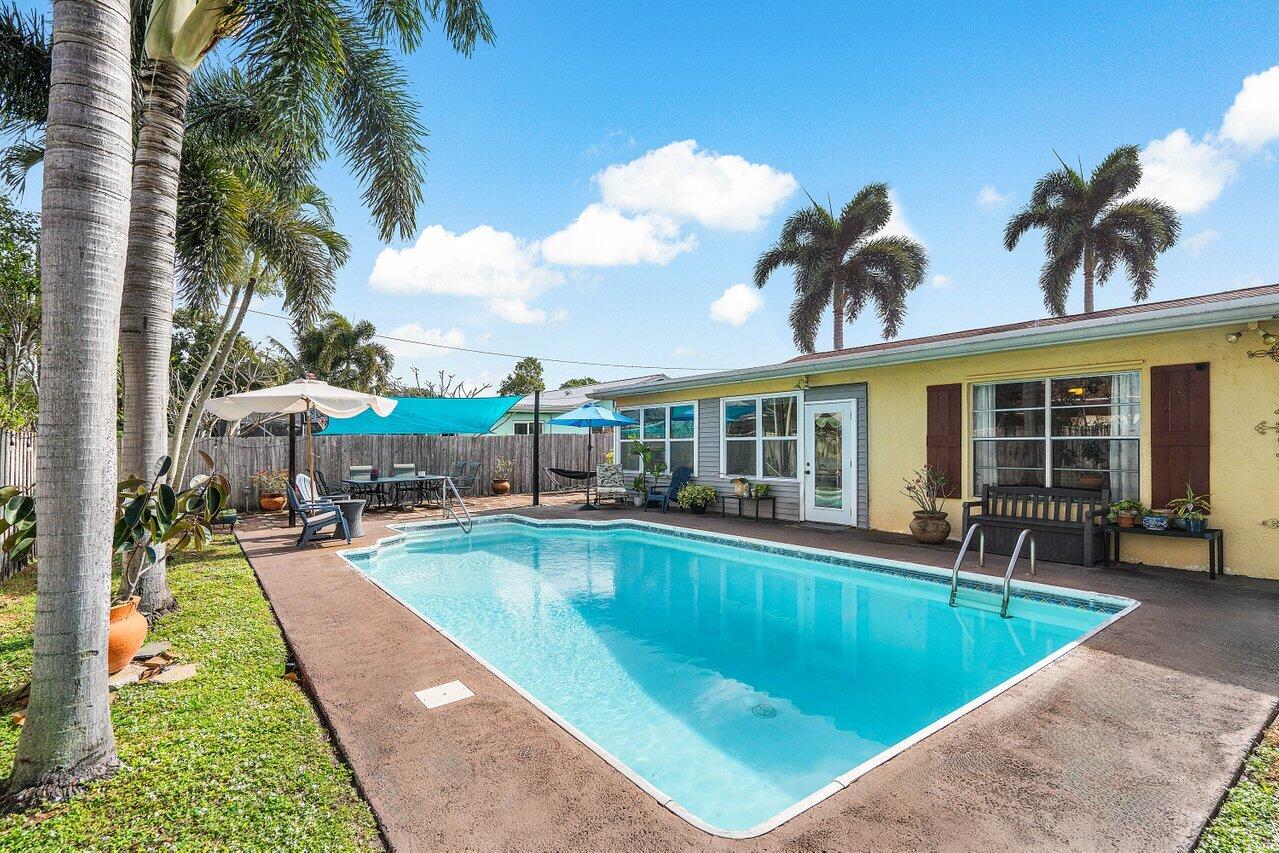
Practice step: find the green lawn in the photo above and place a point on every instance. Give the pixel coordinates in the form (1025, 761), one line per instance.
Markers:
(1249, 819)
(232, 758)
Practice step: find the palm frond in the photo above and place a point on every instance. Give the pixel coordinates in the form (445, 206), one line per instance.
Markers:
(17, 161)
(378, 129)
(1116, 176)
(24, 70)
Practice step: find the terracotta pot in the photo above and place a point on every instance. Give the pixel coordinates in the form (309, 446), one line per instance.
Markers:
(1091, 481)
(126, 634)
(930, 527)
(1126, 519)
(501, 487)
(271, 503)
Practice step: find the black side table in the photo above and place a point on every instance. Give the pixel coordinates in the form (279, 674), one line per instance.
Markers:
(724, 499)
(1214, 536)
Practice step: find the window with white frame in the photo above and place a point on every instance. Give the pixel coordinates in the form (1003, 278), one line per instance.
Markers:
(1073, 432)
(759, 436)
(525, 428)
(670, 429)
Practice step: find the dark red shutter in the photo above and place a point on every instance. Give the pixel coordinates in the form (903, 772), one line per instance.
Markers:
(945, 433)
(1179, 408)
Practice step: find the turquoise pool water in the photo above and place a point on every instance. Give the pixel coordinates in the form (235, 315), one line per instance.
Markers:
(730, 680)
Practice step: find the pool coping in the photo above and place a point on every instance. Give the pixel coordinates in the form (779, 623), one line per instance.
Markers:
(1030, 590)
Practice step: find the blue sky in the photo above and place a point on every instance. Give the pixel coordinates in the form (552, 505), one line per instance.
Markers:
(958, 110)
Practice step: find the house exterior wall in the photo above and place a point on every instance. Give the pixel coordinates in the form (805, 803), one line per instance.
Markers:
(1244, 467)
(506, 426)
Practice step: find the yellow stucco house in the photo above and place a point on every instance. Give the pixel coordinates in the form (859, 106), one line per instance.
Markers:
(1140, 400)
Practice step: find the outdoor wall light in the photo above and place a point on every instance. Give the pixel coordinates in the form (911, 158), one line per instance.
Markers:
(1234, 337)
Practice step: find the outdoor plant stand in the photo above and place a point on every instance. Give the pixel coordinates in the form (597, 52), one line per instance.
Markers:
(1214, 536)
(724, 499)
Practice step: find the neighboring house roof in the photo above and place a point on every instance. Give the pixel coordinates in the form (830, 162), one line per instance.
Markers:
(568, 399)
(1213, 309)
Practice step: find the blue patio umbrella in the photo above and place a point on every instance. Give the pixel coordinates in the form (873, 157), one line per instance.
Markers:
(589, 415)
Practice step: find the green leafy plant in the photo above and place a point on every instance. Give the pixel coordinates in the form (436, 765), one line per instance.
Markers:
(648, 467)
(270, 481)
(503, 468)
(696, 494)
(1191, 506)
(926, 489)
(640, 483)
(1129, 506)
(762, 490)
(147, 514)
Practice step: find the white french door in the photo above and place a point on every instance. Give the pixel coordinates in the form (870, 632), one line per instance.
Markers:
(830, 462)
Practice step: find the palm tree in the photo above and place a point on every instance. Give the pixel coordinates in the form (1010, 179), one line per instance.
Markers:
(342, 353)
(324, 69)
(1091, 222)
(67, 739)
(841, 264)
(250, 223)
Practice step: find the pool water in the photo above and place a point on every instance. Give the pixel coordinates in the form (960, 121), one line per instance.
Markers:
(734, 681)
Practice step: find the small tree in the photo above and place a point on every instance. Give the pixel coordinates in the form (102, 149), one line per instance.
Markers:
(524, 379)
(579, 382)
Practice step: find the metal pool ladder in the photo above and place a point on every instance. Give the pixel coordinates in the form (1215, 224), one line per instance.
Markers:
(981, 561)
(975, 527)
(1012, 563)
(447, 504)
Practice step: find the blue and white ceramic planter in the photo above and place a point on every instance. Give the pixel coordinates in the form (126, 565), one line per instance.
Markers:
(1155, 522)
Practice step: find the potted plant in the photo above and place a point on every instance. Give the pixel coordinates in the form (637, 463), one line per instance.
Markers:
(640, 487)
(502, 470)
(147, 514)
(926, 489)
(762, 490)
(695, 497)
(1191, 510)
(271, 483)
(742, 487)
(1126, 512)
(1094, 479)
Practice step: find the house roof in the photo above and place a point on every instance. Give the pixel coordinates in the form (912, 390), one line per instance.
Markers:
(568, 399)
(1213, 309)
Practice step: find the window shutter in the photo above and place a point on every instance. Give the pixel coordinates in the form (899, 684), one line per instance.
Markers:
(1178, 431)
(945, 432)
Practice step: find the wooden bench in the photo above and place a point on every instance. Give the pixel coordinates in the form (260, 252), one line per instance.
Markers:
(1063, 521)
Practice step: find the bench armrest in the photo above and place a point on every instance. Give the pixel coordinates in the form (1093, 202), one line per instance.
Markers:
(970, 504)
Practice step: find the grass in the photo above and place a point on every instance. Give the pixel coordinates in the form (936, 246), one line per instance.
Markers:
(233, 758)
(1249, 818)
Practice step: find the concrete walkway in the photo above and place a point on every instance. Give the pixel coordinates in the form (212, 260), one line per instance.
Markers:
(1126, 743)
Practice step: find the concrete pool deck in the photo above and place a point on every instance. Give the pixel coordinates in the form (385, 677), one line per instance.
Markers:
(1128, 742)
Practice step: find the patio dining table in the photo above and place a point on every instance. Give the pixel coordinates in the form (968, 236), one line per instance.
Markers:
(399, 484)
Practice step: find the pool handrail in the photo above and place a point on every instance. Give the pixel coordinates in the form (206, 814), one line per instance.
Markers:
(975, 527)
(1012, 563)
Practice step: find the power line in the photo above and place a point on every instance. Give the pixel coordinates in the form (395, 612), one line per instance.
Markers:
(511, 354)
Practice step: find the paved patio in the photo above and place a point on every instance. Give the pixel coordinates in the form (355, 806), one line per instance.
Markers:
(1126, 743)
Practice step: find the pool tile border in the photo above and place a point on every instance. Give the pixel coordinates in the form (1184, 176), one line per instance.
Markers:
(1029, 590)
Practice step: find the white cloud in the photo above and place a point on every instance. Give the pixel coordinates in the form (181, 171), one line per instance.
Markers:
(517, 311)
(1253, 119)
(736, 305)
(559, 315)
(989, 198)
(1186, 173)
(1196, 243)
(897, 225)
(613, 142)
(603, 236)
(482, 262)
(721, 191)
(404, 350)
(942, 281)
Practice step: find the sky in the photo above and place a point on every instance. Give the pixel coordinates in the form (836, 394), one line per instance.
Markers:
(602, 178)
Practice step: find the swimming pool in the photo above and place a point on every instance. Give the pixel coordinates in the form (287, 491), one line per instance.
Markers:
(737, 681)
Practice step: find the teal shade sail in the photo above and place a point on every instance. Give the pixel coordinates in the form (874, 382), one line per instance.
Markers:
(427, 416)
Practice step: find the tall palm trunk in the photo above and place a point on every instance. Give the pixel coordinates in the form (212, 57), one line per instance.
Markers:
(837, 304)
(211, 381)
(146, 324)
(67, 739)
(1090, 271)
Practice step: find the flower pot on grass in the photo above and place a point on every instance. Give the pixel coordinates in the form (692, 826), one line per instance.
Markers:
(125, 634)
(930, 527)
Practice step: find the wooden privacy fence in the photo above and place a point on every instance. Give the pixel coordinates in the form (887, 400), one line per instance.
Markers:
(239, 458)
(17, 468)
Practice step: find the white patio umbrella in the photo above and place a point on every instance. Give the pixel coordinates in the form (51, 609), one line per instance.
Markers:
(297, 397)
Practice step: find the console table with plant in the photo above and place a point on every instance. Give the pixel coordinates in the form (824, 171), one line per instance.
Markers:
(1189, 517)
